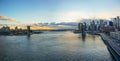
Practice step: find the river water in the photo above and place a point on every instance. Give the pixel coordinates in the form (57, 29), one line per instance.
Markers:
(53, 46)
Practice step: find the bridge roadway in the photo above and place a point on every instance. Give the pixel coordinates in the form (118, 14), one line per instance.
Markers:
(113, 43)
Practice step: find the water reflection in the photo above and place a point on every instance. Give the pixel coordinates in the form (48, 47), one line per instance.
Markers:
(28, 37)
(83, 37)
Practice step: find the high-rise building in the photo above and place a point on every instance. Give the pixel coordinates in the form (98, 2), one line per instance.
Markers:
(101, 23)
(110, 23)
(93, 25)
(117, 22)
(97, 25)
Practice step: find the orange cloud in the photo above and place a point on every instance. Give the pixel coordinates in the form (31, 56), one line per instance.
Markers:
(8, 19)
(3, 18)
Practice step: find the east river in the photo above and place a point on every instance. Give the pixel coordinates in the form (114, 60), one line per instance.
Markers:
(53, 46)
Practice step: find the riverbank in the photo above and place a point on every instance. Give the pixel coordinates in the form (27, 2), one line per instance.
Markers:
(113, 45)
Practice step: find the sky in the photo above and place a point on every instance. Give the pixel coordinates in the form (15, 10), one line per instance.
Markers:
(41, 11)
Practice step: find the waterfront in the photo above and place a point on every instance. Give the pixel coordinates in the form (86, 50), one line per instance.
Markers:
(53, 46)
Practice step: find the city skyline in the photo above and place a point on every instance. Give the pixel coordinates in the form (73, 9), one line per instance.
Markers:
(37, 11)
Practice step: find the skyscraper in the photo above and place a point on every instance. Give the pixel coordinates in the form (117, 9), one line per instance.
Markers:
(118, 22)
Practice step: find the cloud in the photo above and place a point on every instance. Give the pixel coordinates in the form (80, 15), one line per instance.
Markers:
(60, 25)
(8, 19)
(3, 18)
